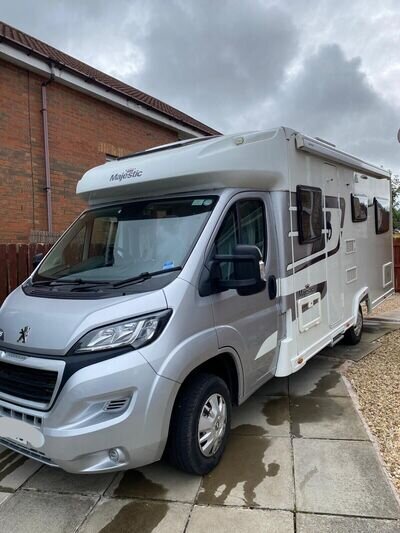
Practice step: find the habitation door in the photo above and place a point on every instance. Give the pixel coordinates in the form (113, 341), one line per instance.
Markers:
(334, 219)
(248, 323)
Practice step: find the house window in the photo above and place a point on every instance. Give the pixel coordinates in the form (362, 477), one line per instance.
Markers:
(382, 215)
(309, 212)
(359, 207)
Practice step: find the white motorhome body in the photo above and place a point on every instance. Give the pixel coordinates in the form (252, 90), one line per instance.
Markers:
(321, 282)
(199, 271)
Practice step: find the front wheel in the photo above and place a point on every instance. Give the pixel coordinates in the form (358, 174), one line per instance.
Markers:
(200, 424)
(353, 335)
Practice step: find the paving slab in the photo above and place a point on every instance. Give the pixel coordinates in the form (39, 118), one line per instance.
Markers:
(311, 523)
(56, 480)
(158, 481)
(326, 418)
(377, 330)
(35, 512)
(274, 387)
(351, 353)
(15, 469)
(253, 472)
(236, 520)
(137, 516)
(389, 319)
(4, 496)
(262, 416)
(341, 477)
(320, 377)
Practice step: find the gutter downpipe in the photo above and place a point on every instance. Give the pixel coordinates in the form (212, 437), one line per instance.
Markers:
(47, 188)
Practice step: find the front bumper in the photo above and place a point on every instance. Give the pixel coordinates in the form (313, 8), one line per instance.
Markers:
(119, 405)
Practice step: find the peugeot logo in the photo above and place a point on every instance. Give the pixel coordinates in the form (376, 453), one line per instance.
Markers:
(23, 334)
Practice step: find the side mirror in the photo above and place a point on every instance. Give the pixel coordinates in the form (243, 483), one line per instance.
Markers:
(36, 260)
(247, 276)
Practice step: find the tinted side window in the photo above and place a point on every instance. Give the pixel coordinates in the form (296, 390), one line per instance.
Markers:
(244, 224)
(73, 253)
(359, 207)
(251, 216)
(309, 212)
(103, 235)
(382, 215)
(226, 240)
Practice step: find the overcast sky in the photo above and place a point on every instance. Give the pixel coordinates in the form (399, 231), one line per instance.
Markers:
(330, 68)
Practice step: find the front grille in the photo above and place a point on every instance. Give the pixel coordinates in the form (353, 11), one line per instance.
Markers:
(27, 383)
(33, 420)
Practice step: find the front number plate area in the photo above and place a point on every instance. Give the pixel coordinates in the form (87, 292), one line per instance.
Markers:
(20, 432)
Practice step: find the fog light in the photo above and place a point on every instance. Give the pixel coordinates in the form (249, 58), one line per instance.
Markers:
(113, 454)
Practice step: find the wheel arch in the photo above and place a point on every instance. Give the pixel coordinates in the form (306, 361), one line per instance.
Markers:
(224, 365)
(360, 296)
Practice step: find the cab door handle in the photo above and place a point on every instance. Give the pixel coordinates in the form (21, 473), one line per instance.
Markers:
(272, 287)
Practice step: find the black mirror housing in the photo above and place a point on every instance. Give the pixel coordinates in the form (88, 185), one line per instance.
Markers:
(248, 276)
(36, 260)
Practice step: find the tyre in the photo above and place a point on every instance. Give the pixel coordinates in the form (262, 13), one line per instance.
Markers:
(353, 335)
(200, 424)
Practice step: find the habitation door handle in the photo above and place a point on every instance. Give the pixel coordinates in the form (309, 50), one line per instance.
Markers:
(329, 228)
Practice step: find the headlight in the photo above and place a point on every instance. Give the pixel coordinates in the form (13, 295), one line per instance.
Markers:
(136, 332)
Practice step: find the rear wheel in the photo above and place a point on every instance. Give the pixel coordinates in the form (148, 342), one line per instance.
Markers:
(353, 335)
(200, 424)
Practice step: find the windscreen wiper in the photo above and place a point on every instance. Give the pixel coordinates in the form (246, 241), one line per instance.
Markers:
(73, 281)
(145, 276)
(90, 285)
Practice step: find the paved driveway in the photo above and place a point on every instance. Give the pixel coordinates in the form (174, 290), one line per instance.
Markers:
(298, 457)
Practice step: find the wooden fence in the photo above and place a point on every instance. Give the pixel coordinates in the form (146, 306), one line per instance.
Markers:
(16, 264)
(396, 259)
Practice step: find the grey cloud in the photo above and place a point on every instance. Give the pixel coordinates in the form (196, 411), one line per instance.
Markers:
(214, 59)
(331, 97)
(240, 65)
(81, 27)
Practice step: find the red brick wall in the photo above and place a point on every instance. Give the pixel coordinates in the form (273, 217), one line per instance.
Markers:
(81, 130)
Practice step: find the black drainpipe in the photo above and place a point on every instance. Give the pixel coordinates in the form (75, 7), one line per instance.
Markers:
(47, 188)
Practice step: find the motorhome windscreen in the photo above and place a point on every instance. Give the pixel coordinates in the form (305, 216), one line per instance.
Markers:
(119, 242)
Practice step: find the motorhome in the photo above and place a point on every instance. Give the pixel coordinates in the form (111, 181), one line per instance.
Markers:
(199, 271)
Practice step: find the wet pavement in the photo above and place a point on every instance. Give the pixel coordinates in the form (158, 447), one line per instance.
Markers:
(298, 459)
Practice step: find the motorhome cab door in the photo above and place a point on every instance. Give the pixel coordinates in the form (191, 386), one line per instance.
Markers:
(334, 218)
(249, 321)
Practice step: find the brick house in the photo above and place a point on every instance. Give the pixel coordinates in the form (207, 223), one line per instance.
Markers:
(59, 117)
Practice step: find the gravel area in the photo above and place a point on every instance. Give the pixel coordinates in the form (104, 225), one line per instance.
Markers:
(376, 380)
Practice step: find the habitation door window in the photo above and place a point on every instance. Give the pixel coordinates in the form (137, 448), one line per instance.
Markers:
(309, 212)
(382, 215)
(359, 207)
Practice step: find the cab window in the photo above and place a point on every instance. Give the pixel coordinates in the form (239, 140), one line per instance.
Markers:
(243, 224)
